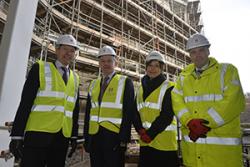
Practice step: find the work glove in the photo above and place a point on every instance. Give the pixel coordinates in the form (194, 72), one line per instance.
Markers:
(16, 148)
(144, 136)
(73, 144)
(197, 128)
(193, 136)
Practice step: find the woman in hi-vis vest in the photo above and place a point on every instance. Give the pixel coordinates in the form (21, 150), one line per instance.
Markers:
(154, 120)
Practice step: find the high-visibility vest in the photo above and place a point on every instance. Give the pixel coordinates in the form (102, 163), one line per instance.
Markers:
(109, 113)
(149, 110)
(216, 96)
(53, 106)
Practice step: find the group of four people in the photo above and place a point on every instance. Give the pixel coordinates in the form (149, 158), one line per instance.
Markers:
(207, 99)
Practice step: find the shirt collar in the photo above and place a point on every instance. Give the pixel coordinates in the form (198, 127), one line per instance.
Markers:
(59, 65)
(202, 68)
(110, 75)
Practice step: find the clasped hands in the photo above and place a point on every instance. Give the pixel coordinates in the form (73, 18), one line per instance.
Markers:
(198, 129)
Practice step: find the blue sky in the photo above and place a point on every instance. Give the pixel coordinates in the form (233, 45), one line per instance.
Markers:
(227, 26)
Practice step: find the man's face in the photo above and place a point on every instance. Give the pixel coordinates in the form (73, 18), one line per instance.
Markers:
(199, 56)
(153, 69)
(107, 64)
(65, 54)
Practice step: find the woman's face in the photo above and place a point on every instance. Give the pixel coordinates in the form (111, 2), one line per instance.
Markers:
(153, 69)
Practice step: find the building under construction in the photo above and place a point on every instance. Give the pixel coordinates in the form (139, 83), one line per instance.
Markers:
(132, 27)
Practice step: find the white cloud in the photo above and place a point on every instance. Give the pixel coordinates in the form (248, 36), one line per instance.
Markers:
(227, 26)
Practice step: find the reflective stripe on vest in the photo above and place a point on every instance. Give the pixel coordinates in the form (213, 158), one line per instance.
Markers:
(180, 92)
(107, 105)
(217, 118)
(107, 113)
(102, 119)
(182, 80)
(48, 92)
(117, 104)
(149, 111)
(157, 105)
(215, 140)
(210, 97)
(180, 113)
(47, 108)
(56, 94)
(92, 87)
(76, 89)
(48, 78)
(170, 127)
(222, 75)
(207, 97)
(53, 106)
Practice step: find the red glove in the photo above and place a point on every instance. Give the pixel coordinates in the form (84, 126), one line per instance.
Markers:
(197, 128)
(144, 136)
(194, 136)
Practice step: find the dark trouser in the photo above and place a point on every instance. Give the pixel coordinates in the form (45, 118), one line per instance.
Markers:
(150, 157)
(50, 152)
(105, 150)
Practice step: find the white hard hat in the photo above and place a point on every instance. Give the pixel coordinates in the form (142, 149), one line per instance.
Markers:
(155, 55)
(197, 40)
(106, 50)
(67, 40)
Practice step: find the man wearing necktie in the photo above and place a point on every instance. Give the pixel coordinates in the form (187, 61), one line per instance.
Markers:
(109, 113)
(208, 100)
(47, 117)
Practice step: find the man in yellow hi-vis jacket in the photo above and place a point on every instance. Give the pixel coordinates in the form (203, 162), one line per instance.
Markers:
(208, 100)
(47, 117)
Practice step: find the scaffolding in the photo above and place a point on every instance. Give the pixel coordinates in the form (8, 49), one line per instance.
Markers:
(132, 27)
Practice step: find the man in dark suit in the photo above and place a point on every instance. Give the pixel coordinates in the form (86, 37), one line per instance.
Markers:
(109, 113)
(47, 116)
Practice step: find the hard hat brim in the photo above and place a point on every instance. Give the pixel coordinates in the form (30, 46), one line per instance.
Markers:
(99, 56)
(199, 46)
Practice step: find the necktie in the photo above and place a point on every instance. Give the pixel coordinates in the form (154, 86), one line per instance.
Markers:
(198, 72)
(103, 87)
(64, 76)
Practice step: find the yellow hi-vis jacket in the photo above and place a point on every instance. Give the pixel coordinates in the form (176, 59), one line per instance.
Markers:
(54, 104)
(109, 113)
(149, 110)
(217, 97)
